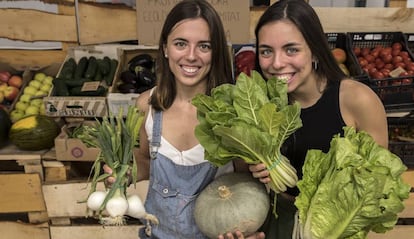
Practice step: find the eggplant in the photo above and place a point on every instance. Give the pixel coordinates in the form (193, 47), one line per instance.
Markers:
(143, 60)
(127, 88)
(128, 77)
(145, 78)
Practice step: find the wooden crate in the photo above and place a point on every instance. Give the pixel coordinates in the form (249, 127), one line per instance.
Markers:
(35, 25)
(19, 230)
(402, 231)
(71, 194)
(24, 196)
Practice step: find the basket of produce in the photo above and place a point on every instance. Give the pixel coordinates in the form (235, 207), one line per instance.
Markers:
(338, 43)
(384, 56)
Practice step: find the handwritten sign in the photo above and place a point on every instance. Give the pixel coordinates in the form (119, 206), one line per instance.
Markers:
(235, 15)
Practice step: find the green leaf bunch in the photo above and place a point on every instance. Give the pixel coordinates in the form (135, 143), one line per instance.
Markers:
(354, 188)
(249, 120)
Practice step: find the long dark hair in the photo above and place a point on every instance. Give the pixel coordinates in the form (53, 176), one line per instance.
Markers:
(304, 17)
(220, 63)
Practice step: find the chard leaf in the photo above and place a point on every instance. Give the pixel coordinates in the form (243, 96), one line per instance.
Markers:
(277, 91)
(245, 140)
(270, 119)
(249, 97)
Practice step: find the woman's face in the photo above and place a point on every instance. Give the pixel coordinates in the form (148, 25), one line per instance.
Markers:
(188, 50)
(283, 52)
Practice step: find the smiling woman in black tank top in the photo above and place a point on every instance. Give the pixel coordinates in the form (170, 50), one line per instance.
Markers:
(291, 43)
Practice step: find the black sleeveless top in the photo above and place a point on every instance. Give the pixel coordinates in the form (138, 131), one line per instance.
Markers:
(320, 122)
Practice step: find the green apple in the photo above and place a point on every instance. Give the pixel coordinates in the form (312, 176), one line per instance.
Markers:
(29, 90)
(42, 110)
(48, 80)
(32, 110)
(39, 76)
(45, 88)
(40, 93)
(21, 106)
(25, 98)
(36, 84)
(36, 102)
(15, 115)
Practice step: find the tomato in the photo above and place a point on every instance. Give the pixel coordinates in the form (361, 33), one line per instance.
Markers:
(407, 81)
(363, 62)
(370, 58)
(396, 46)
(410, 67)
(365, 51)
(395, 52)
(389, 66)
(387, 58)
(378, 75)
(396, 59)
(357, 51)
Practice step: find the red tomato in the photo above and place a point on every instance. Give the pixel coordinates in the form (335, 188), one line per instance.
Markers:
(387, 58)
(396, 46)
(357, 51)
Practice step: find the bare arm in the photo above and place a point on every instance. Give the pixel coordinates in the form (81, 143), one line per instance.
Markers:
(362, 109)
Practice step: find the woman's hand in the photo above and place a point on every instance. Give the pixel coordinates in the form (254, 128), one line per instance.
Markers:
(260, 171)
(239, 235)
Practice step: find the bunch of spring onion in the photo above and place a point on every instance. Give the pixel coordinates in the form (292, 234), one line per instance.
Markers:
(116, 137)
(249, 120)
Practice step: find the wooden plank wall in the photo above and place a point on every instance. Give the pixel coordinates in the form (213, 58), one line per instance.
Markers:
(106, 23)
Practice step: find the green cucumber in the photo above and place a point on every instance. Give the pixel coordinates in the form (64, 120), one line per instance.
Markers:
(92, 68)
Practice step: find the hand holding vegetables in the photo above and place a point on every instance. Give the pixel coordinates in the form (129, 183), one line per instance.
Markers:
(116, 138)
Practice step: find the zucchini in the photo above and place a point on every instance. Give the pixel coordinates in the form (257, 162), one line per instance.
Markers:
(104, 65)
(75, 82)
(68, 69)
(81, 68)
(92, 68)
(111, 75)
(59, 87)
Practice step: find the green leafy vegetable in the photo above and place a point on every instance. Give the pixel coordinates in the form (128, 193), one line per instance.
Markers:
(249, 120)
(354, 188)
(116, 137)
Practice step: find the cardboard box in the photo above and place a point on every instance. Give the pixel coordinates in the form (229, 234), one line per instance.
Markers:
(235, 15)
(116, 99)
(72, 149)
(81, 106)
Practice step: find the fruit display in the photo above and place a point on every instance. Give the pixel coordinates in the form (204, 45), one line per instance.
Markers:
(10, 85)
(382, 62)
(34, 132)
(138, 76)
(96, 73)
(340, 57)
(30, 102)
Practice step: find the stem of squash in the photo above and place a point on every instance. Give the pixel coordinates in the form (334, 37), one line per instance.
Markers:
(224, 192)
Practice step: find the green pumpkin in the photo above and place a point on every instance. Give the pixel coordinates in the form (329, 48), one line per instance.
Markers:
(232, 201)
(35, 132)
(5, 124)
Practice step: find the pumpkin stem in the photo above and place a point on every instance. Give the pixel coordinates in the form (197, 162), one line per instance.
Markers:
(224, 192)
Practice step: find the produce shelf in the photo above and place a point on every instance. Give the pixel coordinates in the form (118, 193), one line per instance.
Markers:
(387, 61)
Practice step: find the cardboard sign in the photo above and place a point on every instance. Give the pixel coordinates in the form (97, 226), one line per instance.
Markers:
(235, 15)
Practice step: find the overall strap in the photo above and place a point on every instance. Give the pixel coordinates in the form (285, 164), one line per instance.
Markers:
(156, 134)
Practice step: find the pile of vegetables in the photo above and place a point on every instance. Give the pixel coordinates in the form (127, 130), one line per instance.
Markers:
(354, 188)
(116, 137)
(249, 120)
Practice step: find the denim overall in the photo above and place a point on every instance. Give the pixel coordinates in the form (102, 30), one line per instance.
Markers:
(172, 192)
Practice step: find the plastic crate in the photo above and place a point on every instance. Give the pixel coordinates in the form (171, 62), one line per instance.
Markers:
(395, 92)
(409, 37)
(401, 132)
(340, 40)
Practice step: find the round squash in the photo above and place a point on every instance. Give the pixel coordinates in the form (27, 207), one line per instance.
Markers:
(234, 201)
(5, 124)
(34, 132)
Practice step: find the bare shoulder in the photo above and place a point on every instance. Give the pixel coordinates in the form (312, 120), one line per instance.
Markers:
(353, 91)
(142, 101)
